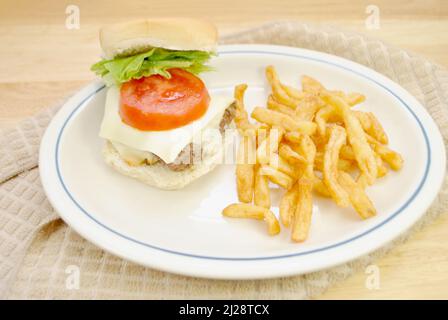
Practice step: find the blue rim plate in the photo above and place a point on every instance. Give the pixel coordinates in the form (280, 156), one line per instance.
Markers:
(141, 224)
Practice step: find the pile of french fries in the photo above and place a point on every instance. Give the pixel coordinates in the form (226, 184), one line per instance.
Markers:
(307, 140)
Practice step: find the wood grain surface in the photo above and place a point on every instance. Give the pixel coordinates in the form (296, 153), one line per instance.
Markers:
(41, 61)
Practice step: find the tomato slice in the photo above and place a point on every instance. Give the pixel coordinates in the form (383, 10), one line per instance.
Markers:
(156, 103)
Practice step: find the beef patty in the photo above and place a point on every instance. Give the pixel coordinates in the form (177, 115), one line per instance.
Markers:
(190, 153)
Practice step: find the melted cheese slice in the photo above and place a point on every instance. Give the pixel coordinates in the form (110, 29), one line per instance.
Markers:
(165, 144)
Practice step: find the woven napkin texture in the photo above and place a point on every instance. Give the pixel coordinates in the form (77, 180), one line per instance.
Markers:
(37, 249)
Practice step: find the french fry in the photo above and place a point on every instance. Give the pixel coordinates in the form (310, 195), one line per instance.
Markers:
(363, 119)
(273, 224)
(278, 90)
(308, 150)
(262, 195)
(346, 165)
(293, 93)
(355, 98)
(275, 118)
(343, 164)
(293, 136)
(352, 99)
(262, 134)
(362, 181)
(331, 172)
(250, 211)
(263, 145)
(358, 198)
(377, 130)
(284, 166)
(245, 169)
(241, 116)
(382, 169)
(392, 158)
(320, 187)
(277, 106)
(321, 119)
(364, 154)
(311, 85)
(372, 126)
(244, 210)
(320, 142)
(347, 152)
(288, 205)
(269, 145)
(307, 108)
(302, 215)
(277, 177)
(286, 152)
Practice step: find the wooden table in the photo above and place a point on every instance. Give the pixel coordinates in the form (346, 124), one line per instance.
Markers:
(41, 62)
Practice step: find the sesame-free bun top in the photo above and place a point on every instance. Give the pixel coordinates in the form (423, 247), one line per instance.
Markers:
(169, 33)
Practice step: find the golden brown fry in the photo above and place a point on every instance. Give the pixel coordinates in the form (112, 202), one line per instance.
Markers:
(362, 181)
(307, 108)
(352, 99)
(330, 170)
(244, 210)
(382, 169)
(269, 145)
(273, 224)
(277, 106)
(372, 126)
(363, 119)
(347, 152)
(262, 195)
(302, 216)
(346, 165)
(321, 188)
(293, 136)
(284, 166)
(262, 134)
(355, 98)
(278, 90)
(320, 142)
(245, 169)
(377, 130)
(391, 157)
(277, 177)
(365, 157)
(288, 204)
(250, 211)
(293, 92)
(358, 198)
(285, 151)
(241, 116)
(343, 164)
(311, 85)
(275, 118)
(321, 119)
(308, 150)
(319, 161)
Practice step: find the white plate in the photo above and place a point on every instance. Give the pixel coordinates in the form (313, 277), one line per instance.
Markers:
(183, 231)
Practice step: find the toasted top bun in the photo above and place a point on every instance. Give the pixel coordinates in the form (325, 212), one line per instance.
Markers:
(170, 33)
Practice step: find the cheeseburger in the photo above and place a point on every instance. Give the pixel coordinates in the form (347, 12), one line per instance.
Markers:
(161, 124)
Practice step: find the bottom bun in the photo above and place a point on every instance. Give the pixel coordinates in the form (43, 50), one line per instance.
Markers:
(159, 175)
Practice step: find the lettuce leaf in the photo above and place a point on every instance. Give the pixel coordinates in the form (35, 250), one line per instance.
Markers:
(154, 61)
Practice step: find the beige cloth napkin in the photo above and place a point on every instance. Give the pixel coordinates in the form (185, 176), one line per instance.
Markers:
(37, 251)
